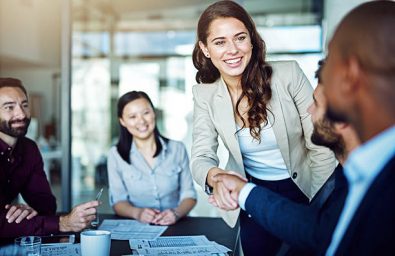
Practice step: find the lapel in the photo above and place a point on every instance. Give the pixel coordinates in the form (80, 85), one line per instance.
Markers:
(223, 110)
(276, 116)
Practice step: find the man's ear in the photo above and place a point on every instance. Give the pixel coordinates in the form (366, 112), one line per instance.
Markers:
(354, 74)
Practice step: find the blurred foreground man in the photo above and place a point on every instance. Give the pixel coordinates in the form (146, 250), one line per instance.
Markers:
(359, 84)
(22, 172)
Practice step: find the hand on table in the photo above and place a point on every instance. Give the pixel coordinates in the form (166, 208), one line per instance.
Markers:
(18, 212)
(167, 217)
(79, 218)
(147, 215)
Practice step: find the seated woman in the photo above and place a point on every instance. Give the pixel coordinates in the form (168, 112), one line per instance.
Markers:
(149, 175)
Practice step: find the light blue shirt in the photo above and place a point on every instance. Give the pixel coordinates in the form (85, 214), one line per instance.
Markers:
(363, 165)
(162, 187)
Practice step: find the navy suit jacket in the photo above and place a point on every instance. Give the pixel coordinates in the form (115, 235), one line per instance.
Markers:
(306, 227)
(372, 229)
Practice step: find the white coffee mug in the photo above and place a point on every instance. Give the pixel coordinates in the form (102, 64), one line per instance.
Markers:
(95, 242)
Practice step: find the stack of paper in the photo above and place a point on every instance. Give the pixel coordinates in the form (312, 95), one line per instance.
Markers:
(131, 229)
(177, 245)
(61, 249)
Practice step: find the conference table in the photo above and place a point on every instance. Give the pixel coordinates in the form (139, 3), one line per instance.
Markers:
(215, 229)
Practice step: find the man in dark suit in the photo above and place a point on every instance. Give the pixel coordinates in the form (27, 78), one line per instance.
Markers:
(359, 84)
(307, 229)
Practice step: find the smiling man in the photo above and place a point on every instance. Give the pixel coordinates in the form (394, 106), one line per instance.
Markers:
(21, 172)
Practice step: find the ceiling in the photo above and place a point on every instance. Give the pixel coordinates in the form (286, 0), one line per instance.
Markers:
(132, 15)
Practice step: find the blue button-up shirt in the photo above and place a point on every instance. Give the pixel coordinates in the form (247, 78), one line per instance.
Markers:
(362, 167)
(162, 187)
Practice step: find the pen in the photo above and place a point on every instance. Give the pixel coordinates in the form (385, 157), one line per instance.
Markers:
(99, 194)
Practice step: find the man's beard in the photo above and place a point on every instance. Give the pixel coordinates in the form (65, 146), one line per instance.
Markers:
(6, 127)
(323, 135)
(335, 116)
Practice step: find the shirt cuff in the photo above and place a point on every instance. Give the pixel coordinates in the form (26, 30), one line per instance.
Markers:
(244, 192)
(51, 224)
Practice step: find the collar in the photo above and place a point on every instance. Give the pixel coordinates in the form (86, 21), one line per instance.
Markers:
(134, 150)
(366, 162)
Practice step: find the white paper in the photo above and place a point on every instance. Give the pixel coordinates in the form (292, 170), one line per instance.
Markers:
(61, 249)
(177, 245)
(131, 229)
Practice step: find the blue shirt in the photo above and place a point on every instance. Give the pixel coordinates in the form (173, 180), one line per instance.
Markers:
(362, 167)
(162, 187)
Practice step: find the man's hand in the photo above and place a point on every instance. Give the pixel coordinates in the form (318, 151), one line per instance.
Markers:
(147, 215)
(19, 212)
(230, 184)
(79, 218)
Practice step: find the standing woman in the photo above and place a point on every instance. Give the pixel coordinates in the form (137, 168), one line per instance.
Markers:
(259, 110)
(149, 176)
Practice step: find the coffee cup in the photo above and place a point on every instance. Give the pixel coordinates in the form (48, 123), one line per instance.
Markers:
(95, 242)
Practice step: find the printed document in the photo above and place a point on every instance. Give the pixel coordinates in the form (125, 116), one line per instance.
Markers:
(177, 245)
(61, 249)
(131, 229)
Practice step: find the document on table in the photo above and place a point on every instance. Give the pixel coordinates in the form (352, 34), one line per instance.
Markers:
(177, 245)
(61, 249)
(131, 229)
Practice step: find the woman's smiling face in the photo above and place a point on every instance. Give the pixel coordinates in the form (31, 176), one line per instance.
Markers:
(228, 46)
(138, 118)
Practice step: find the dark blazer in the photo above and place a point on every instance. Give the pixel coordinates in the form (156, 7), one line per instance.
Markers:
(305, 227)
(372, 229)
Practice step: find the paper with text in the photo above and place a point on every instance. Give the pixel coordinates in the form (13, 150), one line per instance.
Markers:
(177, 245)
(131, 229)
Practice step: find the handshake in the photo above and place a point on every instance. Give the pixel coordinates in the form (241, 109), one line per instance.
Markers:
(226, 190)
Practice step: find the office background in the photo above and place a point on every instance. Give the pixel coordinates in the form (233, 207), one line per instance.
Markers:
(76, 57)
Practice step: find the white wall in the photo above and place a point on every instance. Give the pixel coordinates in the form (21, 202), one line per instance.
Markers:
(30, 31)
(334, 11)
(30, 47)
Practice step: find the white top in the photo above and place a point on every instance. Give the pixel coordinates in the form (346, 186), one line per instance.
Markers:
(262, 160)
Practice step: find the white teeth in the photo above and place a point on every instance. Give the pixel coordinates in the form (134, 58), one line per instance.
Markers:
(232, 61)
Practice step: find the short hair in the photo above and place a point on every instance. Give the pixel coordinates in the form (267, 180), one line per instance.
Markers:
(12, 82)
(319, 70)
(367, 34)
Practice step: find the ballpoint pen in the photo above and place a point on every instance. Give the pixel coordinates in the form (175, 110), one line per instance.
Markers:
(95, 222)
(99, 194)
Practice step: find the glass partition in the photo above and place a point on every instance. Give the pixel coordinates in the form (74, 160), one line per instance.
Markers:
(108, 62)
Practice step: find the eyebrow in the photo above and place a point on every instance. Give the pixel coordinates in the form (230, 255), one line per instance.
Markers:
(222, 37)
(13, 102)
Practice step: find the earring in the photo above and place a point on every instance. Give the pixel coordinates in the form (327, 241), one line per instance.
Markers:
(207, 55)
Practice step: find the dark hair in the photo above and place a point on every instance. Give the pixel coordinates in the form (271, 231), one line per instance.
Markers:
(255, 81)
(125, 138)
(12, 82)
(319, 70)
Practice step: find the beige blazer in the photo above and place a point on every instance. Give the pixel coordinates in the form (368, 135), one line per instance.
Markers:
(308, 165)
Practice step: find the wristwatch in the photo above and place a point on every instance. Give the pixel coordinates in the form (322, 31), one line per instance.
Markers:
(208, 189)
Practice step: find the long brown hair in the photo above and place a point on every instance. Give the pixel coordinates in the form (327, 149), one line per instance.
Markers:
(255, 81)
